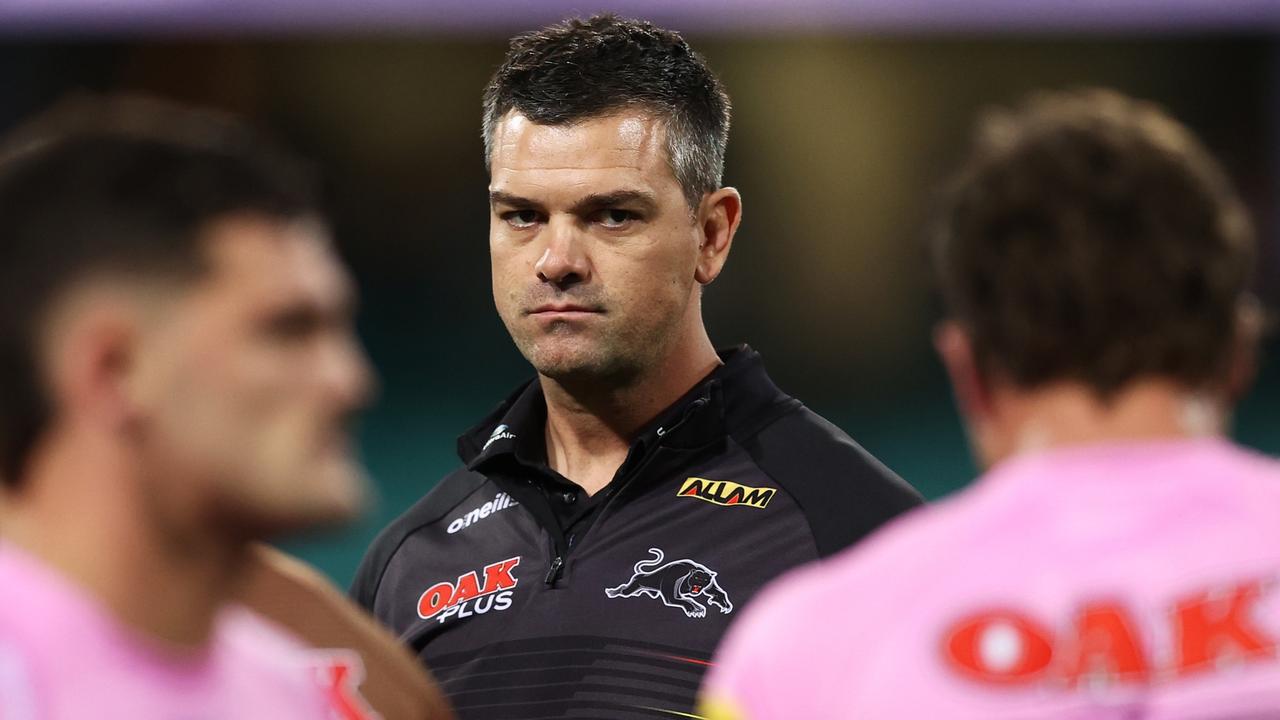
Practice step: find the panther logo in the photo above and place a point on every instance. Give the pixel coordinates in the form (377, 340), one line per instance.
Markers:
(676, 584)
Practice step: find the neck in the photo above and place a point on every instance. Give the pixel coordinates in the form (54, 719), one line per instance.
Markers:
(86, 515)
(1069, 414)
(590, 424)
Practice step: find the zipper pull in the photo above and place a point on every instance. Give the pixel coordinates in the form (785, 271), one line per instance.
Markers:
(554, 573)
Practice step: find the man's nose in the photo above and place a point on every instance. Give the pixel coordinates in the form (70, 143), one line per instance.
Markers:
(348, 374)
(564, 260)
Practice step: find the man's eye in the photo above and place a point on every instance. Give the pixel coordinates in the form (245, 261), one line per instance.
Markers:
(520, 218)
(615, 218)
(293, 325)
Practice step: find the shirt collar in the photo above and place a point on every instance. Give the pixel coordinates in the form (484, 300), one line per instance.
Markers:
(516, 429)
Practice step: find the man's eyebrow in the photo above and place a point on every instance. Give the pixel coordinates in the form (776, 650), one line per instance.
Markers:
(341, 308)
(646, 202)
(498, 197)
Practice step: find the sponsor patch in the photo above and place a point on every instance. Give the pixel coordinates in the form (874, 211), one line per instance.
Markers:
(471, 594)
(1104, 642)
(723, 492)
(679, 584)
(499, 433)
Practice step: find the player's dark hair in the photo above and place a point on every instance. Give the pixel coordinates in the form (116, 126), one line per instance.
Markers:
(114, 187)
(582, 69)
(1090, 237)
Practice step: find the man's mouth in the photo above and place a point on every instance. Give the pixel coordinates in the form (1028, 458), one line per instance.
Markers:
(564, 311)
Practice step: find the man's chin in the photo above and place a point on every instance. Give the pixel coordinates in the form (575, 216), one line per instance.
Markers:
(327, 499)
(572, 364)
(338, 496)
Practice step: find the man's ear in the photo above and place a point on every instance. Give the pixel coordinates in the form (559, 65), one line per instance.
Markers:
(718, 219)
(955, 349)
(1242, 367)
(90, 353)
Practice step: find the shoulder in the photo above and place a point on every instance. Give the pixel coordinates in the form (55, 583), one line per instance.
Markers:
(454, 489)
(258, 639)
(806, 618)
(272, 669)
(845, 491)
(791, 638)
(816, 446)
(890, 561)
(1262, 471)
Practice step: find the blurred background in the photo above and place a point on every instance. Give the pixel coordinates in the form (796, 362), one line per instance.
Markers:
(846, 117)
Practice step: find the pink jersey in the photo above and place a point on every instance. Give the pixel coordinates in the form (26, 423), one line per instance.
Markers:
(1102, 582)
(62, 657)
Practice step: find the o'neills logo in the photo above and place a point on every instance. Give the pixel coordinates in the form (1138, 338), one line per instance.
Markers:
(723, 492)
(501, 502)
(470, 595)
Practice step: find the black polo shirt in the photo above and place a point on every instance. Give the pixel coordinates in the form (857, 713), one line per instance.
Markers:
(527, 598)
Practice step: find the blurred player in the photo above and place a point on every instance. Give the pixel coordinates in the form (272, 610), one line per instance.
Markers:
(177, 369)
(1121, 558)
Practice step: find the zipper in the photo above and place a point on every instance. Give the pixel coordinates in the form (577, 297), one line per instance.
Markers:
(557, 563)
(557, 566)
(637, 470)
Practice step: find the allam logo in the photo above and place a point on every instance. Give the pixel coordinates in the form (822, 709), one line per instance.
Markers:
(468, 595)
(723, 492)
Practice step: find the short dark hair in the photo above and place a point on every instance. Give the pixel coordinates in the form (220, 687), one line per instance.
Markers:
(1090, 237)
(114, 186)
(583, 69)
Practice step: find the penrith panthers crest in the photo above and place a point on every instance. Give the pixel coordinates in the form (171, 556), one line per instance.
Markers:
(678, 584)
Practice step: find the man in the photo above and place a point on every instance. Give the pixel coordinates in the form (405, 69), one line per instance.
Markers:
(178, 369)
(613, 514)
(1119, 559)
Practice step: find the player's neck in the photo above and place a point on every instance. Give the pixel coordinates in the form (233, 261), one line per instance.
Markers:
(590, 426)
(1068, 414)
(80, 514)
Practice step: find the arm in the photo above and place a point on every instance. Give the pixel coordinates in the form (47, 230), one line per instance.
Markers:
(298, 598)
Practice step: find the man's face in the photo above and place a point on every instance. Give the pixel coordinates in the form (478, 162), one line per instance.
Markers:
(593, 245)
(249, 382)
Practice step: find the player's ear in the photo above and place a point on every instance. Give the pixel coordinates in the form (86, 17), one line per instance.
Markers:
(955, 349)
(718, 217)
(91, 351)
(1243, 362)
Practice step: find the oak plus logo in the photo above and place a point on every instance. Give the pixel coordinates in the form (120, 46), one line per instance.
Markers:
(501, 502)
(471, 594)
(723, 492)
(1104, 642)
